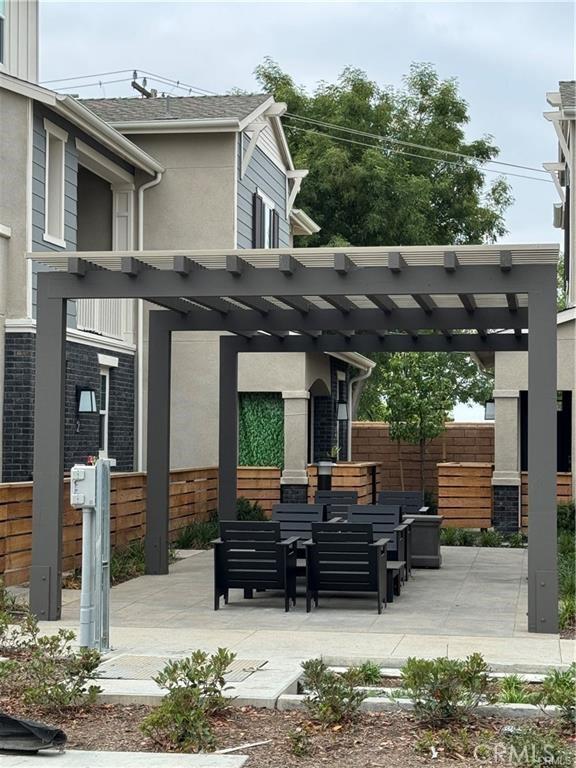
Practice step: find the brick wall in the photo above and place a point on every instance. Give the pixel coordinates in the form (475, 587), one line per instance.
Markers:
(81, 437)
(327, 429)
(473, 442)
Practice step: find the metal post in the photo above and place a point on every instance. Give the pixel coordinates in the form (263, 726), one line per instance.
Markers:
(228, 431)
(86, 633)
(158, 447)
(46, 569)
(102, 558)
(542, 537)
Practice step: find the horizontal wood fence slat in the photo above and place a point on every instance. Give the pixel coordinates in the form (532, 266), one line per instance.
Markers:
(462, 503)
(358, 476)
(564, 492)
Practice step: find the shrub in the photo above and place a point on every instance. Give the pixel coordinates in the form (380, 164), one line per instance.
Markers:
(567, 613)
(466, 538)
(245, 510)
(516, 540)
(198, 535)
(559, 690)
(300, 742)
(444, 689)
(490, 538)
(449, 536)
(332, 699)
(367, 673)
(127, 562)
(567, 518)
(196, 687)
(48, 673)
(512, 690)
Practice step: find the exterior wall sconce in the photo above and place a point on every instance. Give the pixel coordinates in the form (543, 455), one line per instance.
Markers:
(86, 400)
(342, 412)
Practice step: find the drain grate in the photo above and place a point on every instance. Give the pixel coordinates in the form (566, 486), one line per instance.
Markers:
(128, 667)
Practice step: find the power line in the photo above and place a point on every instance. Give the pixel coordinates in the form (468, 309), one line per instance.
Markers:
(412, 154)
(98, 83)
(86, 77)
(354, 131)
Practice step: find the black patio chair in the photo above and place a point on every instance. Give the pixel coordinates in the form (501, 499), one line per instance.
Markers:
(253, 556)
(386, 521)
(336, 501)
(342, 557)
(297, 519)
(412, 502)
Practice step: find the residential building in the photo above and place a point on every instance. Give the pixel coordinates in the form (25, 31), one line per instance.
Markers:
(511, 369)
(188, 173)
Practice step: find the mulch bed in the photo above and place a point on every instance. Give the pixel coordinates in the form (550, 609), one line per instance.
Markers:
(372, 741)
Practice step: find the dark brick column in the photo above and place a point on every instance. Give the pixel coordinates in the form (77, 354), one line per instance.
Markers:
(294, 494)
(505, 513)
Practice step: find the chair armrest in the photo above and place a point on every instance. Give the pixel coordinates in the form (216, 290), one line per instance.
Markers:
(308, 543)
(380, 543)
(407, 521)
(424, 510)
(401, 527)
(216, 541)
(290, 541)
(337, 520)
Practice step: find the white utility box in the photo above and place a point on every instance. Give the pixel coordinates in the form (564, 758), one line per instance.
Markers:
(83, 485)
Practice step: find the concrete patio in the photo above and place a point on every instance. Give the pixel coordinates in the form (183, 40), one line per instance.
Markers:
(476, 601)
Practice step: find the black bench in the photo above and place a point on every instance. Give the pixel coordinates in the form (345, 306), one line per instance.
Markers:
(385, 520)
(252, 556)
(412, 502)
(336, 501)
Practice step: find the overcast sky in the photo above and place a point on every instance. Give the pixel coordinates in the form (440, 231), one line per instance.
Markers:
(506, 56)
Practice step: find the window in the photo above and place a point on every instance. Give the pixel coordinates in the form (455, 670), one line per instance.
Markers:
(104, 410)
(266, 222)
(2, 28)
(54, 184)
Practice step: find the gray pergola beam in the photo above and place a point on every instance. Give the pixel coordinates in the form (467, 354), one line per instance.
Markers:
(297, 302)
(384, 303)
(306, 281)
(47, 505)
(158, 446)
(468, 302)
(356, 320)
(341, 303)
(542, 461)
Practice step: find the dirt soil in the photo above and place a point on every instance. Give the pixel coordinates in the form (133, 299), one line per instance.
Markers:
(373, 741)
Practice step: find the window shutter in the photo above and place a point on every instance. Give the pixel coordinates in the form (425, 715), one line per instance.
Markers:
(275, 229)
(257, 221)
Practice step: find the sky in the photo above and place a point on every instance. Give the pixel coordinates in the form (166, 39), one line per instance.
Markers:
(505, 56)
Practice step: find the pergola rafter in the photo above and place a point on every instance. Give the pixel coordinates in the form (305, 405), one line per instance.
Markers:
(457, 299)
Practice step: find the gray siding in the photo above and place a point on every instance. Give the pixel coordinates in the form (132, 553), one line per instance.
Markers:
(70, 190)
(265, 175)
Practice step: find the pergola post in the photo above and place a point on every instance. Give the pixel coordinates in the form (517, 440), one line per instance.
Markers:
(158, 446)
(542, 536)
(46, 569)
(228, 431)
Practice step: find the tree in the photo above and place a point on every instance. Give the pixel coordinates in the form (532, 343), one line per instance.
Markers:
(366, 191)
(418, 390)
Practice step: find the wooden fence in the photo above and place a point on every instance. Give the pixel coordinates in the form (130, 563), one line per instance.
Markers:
(193, 496)
(564, 493)
(465, 494)
(363, 477)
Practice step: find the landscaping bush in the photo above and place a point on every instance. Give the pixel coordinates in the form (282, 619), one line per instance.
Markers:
(449, 537)
(513, 690)
(532, 746)
(367, 673)
(331, 699)
(246, 510)
(490, 538)
(567, 518)
(198, 535)
(444, 689)
(452, 743)
(559, 690)
(196, 687)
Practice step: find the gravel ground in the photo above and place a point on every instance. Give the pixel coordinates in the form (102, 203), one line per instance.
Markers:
(373, 741)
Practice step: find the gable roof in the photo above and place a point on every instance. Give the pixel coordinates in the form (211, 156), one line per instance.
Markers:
(568, 95)
(129, 110)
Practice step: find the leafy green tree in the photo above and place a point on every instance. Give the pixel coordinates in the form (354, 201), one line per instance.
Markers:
(366, 191)
(415, 393)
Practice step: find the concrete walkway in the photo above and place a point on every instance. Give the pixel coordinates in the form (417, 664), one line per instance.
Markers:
(475, 602)
(78, 759)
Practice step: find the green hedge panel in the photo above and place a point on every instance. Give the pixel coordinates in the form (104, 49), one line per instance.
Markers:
(261, 429)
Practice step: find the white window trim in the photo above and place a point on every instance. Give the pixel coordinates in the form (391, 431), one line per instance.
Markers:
(107, 361)
(60, 134)
(100, 165)
(103, 452)
(4, 41)
(268, 208)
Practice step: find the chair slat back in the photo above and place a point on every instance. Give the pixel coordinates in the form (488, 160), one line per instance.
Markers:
(383, 518)
(410, 501)
(251, 554)
(297, 519)
(341, 556)
(336, 501)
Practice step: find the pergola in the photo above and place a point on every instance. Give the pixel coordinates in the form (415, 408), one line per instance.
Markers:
(460, 298)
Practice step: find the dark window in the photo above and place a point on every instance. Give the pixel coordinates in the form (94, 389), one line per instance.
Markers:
(2, 28)
(564, 431)
(265, 223)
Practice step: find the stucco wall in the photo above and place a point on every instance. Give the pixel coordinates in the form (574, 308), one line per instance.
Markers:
(14, 121)
(193, 206)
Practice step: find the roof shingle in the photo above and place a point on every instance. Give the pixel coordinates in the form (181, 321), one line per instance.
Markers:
(120, 110)
(568, 94)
